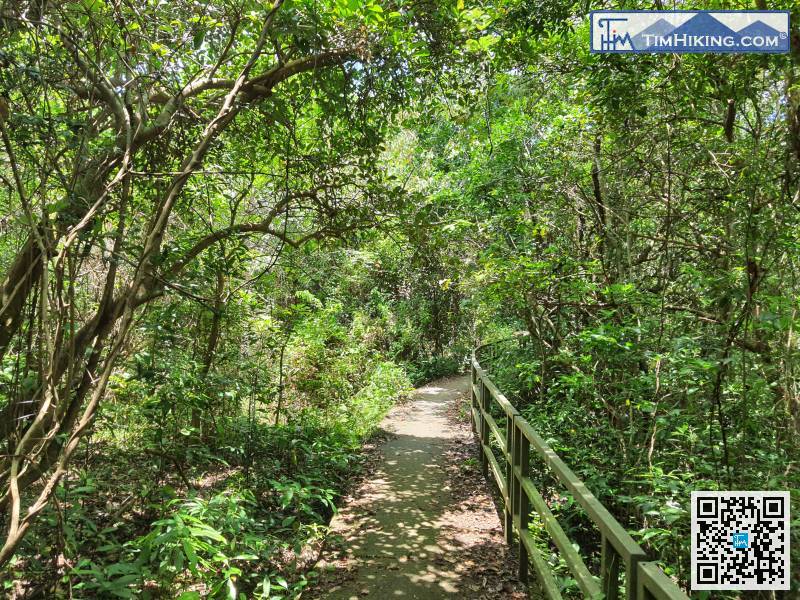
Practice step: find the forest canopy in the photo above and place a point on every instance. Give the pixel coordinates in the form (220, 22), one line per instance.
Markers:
(233, 233)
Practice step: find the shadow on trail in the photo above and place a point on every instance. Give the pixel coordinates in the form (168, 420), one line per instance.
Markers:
(405, 535)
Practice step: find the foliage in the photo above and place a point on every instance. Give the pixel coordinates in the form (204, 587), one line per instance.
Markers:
(235, 233)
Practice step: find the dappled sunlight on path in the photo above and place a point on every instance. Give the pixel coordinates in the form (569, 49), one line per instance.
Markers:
(415, 529)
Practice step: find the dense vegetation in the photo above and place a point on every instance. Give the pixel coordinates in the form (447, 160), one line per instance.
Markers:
(639, 220)
(235, 232)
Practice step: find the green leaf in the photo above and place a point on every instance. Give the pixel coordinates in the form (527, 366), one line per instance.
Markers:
(231, 590)
(288, 521)
(191, 555)
(209, 533)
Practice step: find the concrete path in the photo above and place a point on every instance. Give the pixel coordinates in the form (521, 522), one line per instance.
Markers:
(423, 526)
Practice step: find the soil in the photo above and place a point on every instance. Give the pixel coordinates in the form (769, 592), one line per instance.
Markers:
(424, 525)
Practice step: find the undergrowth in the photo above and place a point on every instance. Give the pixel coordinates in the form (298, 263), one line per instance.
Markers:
(189, 517)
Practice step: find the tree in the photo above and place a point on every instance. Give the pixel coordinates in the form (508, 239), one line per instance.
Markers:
(118, 115)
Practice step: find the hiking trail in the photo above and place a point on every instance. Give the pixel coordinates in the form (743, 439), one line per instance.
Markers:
(423, 525)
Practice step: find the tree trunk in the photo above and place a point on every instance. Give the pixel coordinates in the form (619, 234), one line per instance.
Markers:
(213, 341)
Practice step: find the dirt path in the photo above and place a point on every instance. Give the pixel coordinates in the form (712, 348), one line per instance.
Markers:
(423, 525)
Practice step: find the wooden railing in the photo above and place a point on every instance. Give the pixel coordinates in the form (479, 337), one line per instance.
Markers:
(644, 580)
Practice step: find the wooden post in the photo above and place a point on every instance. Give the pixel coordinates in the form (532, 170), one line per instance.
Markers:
(473, 399)
(522, 451)
(484, 410)
(509, 460)
(632, 576)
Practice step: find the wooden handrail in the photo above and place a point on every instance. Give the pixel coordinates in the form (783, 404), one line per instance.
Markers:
(644, 580)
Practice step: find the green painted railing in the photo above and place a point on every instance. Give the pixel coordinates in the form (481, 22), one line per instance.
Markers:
(644, 580)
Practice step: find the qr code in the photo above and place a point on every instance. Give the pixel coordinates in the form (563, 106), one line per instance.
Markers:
(740, 540)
